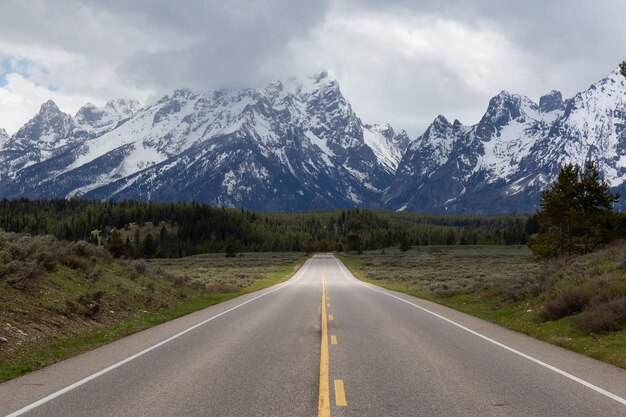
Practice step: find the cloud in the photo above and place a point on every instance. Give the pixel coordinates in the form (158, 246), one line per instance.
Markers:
(144, 48)
(226, 42)
(408, 69)
(398, 61)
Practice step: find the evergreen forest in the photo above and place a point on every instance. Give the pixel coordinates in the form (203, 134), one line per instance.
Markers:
(137, 229)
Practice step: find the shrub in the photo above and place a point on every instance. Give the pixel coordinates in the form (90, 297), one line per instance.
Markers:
(602, 317)
(609, 291)
(5, 257)
(570, 301)
(21, 248)
(140, 267)
(91, 303)
(74, 262)
(81, 248)
(93, 274)
(85, 249)
(221, 288)
(9, 268)
(28, 272)
(518, 288)
(46, 259)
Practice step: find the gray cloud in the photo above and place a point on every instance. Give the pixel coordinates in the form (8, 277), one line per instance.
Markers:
(399, 61)
(226, 42)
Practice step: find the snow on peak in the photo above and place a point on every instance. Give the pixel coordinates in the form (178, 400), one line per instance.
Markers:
(386, 145)
(4, 138)
(49, 107)
(123, 107)
(98, 120)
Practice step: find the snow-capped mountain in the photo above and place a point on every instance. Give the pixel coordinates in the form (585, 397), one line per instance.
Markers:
(297, 144)
(96, 120)
(51, 133)
(502, 163)
(287, 145)
(4, 137)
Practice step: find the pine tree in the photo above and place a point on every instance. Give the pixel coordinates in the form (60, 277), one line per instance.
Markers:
(595, 205)
(404, 244)
(116, 245)
(149, 246)
(353, 241)
(574, 213)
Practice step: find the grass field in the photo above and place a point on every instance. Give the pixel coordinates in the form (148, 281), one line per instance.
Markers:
(218, 274)
(85, 300)
(502, 284)
(448, 270)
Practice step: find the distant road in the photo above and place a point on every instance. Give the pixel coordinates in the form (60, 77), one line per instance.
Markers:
(322, 344)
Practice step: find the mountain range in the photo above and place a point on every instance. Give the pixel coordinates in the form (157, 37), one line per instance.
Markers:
(298, 145)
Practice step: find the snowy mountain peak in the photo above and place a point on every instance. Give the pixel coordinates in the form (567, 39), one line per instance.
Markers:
(440, 122)
(551, 101)
(320, 75)
(47, 126)
(123, 107)
(98, 120)
(49, 107)
(4, 138)
(317, 82)
(503, 109)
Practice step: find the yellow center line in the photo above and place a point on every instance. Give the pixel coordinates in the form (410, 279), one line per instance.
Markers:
(333, 340)
(330, 317)
(323, 407)
(340, 394)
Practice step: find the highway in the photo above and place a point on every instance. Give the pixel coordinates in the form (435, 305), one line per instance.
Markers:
(322, 344)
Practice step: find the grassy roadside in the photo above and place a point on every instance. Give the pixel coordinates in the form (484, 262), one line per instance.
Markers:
(72, 309)
(474, 280)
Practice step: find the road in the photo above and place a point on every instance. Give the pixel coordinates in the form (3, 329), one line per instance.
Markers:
(322, 344)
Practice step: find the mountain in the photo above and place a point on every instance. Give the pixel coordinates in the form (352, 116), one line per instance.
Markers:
(502, 163)
(4, 137)
(298, 144)
(284, 146)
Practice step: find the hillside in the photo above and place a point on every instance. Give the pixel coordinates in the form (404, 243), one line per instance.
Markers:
(58, 298)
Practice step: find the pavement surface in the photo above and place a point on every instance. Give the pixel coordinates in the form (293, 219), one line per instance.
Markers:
(323, 343)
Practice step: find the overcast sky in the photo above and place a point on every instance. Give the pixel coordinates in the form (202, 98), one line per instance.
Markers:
(402, 62)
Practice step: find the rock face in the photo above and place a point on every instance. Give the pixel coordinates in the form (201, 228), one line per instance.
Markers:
(295, 145)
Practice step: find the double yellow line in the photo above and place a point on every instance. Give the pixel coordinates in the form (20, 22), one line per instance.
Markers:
(324, 395)
(323, 407)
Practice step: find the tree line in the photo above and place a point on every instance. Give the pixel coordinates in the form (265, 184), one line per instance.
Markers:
(149, 229)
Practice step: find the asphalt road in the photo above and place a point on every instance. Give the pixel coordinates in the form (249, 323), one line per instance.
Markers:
(322, 344)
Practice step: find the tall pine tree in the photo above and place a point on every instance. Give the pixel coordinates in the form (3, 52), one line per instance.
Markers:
(575, 213)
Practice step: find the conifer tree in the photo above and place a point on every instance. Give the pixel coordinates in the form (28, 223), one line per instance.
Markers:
(595, 206)
(149, 246)
(575, 213)
(404, 244)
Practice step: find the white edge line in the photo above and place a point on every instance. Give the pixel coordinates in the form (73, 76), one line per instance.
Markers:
(143, 352)
(495, 342)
